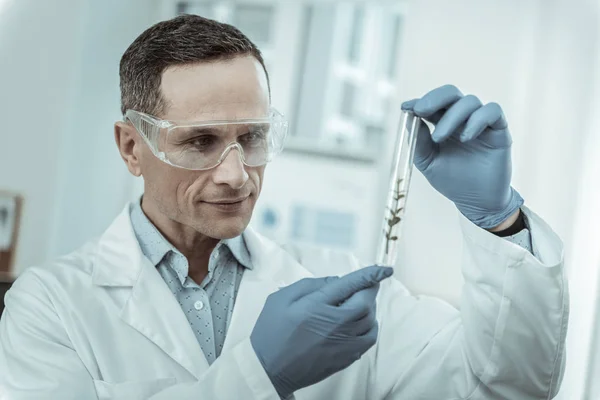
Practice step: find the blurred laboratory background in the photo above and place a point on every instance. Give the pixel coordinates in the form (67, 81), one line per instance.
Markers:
(339, 72)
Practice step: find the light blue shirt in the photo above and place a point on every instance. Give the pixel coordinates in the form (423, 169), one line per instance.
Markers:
(523, 237)
(208, 306)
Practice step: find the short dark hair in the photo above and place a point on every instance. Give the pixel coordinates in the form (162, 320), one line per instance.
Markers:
(182, 40)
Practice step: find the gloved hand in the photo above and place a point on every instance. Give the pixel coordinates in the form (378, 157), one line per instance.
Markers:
(315, 327)
(467, 158)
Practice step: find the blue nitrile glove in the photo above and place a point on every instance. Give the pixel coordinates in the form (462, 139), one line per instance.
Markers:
(467, 157)
(315, 327)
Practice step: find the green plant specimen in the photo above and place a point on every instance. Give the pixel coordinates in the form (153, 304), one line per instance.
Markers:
(394, 217)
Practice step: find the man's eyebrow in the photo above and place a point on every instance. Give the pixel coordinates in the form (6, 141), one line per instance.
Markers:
(202, 130)
(222, 130)
(259, 127)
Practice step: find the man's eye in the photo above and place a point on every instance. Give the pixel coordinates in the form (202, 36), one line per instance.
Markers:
(253, 137)
(202, 142)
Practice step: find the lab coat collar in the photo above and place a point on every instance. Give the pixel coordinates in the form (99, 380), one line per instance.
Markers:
(153, 310)
(118, 257)
(150, 307)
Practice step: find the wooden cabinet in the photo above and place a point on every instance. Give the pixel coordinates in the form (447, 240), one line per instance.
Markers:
(10, 217)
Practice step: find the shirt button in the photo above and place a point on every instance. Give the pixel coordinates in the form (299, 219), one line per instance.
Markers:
(198, 305)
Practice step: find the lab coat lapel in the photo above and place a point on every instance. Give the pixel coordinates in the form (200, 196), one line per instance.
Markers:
(154, 312)
(150, 307)
(273, 268)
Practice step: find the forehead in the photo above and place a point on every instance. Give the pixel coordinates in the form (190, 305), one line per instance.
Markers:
(219, 90)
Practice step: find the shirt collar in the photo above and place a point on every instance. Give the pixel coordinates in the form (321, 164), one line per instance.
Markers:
(155, 246)
(238, 248)
(152, 242)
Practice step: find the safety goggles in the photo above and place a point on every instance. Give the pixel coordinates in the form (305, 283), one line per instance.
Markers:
(204, 145)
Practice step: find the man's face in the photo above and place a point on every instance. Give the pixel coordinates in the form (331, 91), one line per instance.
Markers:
(201, 200)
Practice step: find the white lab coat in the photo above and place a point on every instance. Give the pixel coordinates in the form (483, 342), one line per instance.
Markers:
(101, 323)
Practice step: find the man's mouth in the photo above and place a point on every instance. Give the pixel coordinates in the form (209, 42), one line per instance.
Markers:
(229, 201)
(229, 205)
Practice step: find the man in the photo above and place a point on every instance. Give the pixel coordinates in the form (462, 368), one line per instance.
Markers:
(180, 300)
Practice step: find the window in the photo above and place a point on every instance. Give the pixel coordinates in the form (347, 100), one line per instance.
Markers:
(356, 33)
(333, 66)
(348, 76)
(254, 19)
(326, 227)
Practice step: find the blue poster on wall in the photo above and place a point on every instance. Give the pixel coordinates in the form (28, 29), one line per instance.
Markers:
(324, 227)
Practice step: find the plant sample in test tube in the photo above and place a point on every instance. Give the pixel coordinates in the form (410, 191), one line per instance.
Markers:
(402, 165)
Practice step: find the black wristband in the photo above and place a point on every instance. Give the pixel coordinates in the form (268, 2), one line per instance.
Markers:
(515, 228)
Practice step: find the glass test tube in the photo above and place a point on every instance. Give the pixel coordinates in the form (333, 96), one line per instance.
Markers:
(402, 165)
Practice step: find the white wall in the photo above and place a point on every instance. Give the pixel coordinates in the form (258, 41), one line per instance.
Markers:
(93, 183)
(60, 96)
(584, 327)
(39, 63)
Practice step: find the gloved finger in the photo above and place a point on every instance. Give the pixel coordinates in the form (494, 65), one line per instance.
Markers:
(425, 147)
(305, 286)
(455, 117)
(338, 291)
(489, 116)
(433, 104)
(408, 105)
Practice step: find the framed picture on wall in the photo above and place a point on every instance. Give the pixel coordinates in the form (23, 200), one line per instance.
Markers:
(10, 210)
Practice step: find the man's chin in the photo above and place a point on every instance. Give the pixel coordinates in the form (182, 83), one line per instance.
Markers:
(230, 234)
(222, 225)
(224, 229)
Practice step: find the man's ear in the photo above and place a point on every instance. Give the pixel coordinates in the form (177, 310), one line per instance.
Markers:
(129, 147)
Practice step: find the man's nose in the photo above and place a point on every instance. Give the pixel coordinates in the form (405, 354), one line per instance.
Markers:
(232, 170)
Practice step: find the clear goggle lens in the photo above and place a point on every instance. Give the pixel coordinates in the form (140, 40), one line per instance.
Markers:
(201, 146)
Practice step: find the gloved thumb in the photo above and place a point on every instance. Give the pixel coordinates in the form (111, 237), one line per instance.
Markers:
(338, 291)
(425, 148)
